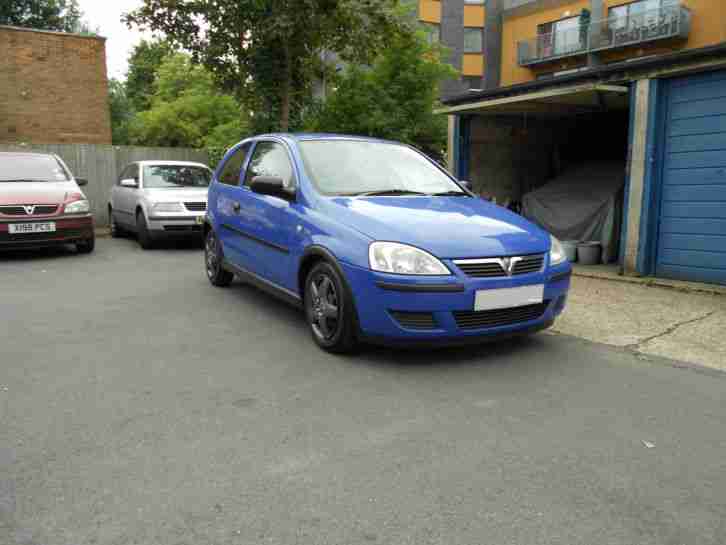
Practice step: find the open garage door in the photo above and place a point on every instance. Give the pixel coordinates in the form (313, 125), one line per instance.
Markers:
(692, 223)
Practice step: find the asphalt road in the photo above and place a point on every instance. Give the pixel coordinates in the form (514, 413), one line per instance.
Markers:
(140, 405)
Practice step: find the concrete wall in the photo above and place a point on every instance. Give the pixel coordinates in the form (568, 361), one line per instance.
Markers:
(53, 88)
(103, 164)
(509, 158)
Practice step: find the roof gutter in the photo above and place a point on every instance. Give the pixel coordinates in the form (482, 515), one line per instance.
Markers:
(612, 72)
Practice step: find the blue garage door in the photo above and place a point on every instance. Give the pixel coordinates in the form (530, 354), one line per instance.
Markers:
(692, 224)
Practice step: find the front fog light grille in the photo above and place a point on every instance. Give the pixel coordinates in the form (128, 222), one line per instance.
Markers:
(414, 320)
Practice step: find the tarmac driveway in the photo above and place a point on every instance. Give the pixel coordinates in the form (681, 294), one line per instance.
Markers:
(139, 405)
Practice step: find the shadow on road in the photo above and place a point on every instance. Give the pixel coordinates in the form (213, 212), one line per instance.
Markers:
(270, 309)
(34, 254)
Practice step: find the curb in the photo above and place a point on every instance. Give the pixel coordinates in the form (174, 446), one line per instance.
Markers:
(678, 285)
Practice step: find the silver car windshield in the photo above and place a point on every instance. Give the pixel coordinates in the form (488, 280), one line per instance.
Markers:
(31, 168)
(176, 176)
(355, 167)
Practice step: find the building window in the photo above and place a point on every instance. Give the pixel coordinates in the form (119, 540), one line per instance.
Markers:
(472, 82)
(637, 14)
(560, 37)
(473, 42)
(433, 33)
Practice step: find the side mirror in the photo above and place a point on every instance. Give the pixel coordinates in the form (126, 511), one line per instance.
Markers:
(81, 182)
(129, 182)
(270, 185)
(466, 185)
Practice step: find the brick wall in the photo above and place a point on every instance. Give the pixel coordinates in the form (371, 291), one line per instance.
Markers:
(53, 88)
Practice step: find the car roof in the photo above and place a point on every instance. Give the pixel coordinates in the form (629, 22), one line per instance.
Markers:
(309, 136)
(20, 154)
(180, 163)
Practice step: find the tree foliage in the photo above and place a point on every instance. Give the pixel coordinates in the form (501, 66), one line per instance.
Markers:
(59, 15)
(265, 51)
(394, 98)
(122, 112)
(144, 63)
(187, 110)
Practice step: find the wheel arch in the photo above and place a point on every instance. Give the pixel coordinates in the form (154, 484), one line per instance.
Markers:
(311, 256)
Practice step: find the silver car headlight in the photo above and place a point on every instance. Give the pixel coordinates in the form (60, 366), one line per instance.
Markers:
(167, 207)
(557, 252)
(78, 207)
(392, 257)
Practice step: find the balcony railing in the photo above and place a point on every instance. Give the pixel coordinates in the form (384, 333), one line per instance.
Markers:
(615, 32)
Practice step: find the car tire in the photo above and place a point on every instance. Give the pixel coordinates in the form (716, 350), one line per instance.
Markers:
(113, 226)
(142, 232)
(329, 310)
(213, 259)
(87, 246)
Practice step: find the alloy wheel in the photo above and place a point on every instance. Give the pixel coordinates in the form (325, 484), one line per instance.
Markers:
(324, 307)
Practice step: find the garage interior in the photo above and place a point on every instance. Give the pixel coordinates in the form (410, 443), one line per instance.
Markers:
(559, 157)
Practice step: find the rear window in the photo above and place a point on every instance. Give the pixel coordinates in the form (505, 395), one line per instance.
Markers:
(31, 168)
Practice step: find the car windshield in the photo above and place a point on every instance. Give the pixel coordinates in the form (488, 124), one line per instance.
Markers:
(354, 167)
(175, 176)
(31, 168)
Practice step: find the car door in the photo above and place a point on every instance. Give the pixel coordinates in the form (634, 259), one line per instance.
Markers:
(124, 198)
(266, 221)
(224, 204)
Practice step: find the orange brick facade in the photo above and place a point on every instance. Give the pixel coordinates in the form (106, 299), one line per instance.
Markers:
(53, 88)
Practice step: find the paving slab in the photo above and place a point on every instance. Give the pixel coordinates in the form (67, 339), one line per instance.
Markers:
(648, 319)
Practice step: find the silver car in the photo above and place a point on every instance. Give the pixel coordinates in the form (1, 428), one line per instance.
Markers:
(159, 198)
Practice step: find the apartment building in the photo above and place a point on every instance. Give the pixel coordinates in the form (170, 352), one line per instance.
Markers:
(549, 87)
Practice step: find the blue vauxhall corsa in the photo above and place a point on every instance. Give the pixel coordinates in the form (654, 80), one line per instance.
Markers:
(377, 243)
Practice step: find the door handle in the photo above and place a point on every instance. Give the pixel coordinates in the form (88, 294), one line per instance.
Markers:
(235, 206)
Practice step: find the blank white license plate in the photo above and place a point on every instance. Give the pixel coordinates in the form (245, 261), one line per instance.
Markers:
(509, 297)
(23, 228)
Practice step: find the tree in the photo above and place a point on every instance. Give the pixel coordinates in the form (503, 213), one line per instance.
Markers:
(122, 112)
(264, 51)
(187, 110)
(394, 98)
(60, 15)
(144, 63)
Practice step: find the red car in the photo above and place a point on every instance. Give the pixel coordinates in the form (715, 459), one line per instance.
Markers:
(41, 203)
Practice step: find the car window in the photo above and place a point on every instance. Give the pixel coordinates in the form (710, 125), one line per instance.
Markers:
(35, 168)
(232, 169)
(124, 174)
(356, 167)
(174, 176)
(271, 159)
(131, 172)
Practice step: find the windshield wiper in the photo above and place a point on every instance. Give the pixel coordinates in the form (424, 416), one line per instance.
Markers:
(392, 192)
(450, 194)
(25, 180)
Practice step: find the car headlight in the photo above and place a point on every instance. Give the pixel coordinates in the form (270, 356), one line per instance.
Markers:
(391, 257)
(167, 207)
(78, 207)
(557, 252)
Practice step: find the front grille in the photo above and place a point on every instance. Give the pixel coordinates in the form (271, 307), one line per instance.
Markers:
(495, 266)
(499, 317)
(196, 206)
(31, 237)
(179, 228)
(529, 264)
(414, 320)
(482, 270)
(40, 210)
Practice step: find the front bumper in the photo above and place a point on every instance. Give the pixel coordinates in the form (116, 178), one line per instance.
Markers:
(440, 310)
(68, 231)
(186, 224)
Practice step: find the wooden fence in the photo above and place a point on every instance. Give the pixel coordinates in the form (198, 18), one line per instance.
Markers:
(102, 164)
